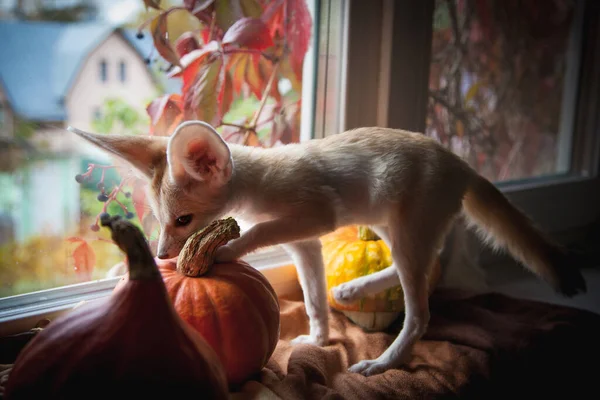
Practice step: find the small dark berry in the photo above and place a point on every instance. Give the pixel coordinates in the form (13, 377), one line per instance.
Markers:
(95, 227)
(139, 35)
(129, 215)
(104, 217)
(100, 185)
(79, 178)
(102, 197)
(128, 194)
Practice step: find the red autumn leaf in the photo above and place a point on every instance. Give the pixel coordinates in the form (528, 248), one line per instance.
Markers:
(202, 97)
(186, 43)
(286, 71)
(138, 198)
(84, 258)
(237, 67)
(225, 97)
(253, 77)
(254, 71)
(205, 35)
(290, 20)
(258, 72)
(251, 33)
(165, 112)
(191, 62)
(160, 36)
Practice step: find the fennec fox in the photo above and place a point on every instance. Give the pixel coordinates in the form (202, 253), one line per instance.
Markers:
(404, 185)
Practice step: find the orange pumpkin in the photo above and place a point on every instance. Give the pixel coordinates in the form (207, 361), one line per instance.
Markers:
(232, 305)
(354, 251)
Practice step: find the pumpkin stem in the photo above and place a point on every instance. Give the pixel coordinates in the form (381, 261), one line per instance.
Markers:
(198, 254)
(365, 233)
(131, 240)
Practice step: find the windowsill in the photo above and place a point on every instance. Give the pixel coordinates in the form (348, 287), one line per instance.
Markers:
(22, 312)
(522, 185)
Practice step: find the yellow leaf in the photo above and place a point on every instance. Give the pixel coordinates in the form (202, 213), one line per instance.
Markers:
(472, 91)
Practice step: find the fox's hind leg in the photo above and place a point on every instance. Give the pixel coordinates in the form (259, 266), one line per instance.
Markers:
(415, 236)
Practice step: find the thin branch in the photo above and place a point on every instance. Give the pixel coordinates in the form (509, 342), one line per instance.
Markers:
(514, 151)
(212, 25)
(458, 112)
(455, 28)
(266, 121)
(241, 127)
(265, 96)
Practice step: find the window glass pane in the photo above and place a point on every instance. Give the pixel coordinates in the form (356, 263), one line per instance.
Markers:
(55, 185)
(503, 82)
(103, 71)
(330, 75)
(122, 71)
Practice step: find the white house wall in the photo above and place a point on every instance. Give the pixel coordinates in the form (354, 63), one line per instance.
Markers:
(88, 92)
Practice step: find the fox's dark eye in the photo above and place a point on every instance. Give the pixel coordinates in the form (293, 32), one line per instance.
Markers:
(183, 220)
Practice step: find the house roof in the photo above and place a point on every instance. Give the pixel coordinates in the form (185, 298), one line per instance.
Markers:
(40, 60)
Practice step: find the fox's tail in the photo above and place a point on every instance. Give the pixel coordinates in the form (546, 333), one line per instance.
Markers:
(500, 224)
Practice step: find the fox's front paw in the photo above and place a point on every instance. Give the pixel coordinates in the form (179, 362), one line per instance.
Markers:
(380, 364)
(347, 293)
(369, 367)
(225, 254)
(309, 339)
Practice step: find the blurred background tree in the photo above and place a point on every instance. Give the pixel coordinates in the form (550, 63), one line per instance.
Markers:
(496, 83)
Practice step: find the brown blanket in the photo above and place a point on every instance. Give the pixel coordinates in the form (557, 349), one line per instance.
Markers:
(482, 347)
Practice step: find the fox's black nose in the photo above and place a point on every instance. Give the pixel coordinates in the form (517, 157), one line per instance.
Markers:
(163, 256)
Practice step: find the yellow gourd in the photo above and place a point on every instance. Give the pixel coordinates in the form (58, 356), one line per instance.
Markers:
(354, 251)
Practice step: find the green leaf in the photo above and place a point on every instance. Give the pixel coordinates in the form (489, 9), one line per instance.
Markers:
(152, 4)
(230, 11)
(251, 8)
(251, 33)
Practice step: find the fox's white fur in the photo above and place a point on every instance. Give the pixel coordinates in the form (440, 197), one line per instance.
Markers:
(406, 186)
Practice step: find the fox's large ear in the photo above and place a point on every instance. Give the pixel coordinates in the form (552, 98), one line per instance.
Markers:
(142, 152)
(197, 151)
